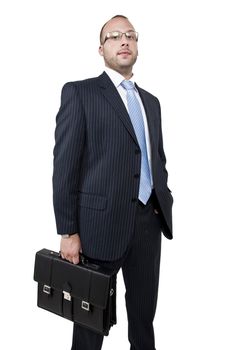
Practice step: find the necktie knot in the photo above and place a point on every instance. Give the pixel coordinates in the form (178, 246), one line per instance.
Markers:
(128, 85)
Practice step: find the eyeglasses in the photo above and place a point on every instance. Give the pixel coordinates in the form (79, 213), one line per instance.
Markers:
(115, 36)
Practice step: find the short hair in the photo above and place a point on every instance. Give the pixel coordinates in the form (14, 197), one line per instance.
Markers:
(101, 32)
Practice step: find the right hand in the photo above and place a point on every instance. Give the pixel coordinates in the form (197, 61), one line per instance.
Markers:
(70, 248)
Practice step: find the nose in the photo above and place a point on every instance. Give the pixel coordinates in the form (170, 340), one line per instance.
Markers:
(124, 41)
(124, 44)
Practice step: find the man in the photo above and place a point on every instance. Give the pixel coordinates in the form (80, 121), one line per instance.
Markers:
(111, 198)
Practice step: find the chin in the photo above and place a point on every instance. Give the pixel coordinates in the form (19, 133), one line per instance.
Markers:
(126, 63)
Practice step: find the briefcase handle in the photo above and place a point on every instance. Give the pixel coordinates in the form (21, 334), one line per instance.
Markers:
(86, 262)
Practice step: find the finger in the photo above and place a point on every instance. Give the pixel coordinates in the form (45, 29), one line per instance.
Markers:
(75, 260)
(66, 257)
(69, 258)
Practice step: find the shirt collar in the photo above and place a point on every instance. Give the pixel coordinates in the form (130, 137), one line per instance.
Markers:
(116, 77)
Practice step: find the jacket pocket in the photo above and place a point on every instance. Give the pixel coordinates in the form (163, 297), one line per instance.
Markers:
(92, 201)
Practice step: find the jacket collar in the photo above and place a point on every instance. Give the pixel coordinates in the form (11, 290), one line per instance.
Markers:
(111, 94)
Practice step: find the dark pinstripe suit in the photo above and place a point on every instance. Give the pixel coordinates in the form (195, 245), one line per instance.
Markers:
(97, 167)
(96, 184)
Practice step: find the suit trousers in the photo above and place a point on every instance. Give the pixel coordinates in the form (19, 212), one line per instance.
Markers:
(140, 268)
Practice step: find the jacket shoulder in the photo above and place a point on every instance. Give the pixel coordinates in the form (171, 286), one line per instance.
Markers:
(80, 83)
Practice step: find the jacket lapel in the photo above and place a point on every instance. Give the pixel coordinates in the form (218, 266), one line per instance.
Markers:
(111, 94)
(113, 97)
(152, 118)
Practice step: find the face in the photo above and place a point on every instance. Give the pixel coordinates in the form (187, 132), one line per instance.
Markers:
(121, 54)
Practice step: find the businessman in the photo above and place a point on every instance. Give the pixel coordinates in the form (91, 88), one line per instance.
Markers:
(111, 199)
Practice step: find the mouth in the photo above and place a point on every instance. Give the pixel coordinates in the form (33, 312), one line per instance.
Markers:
(124, 53)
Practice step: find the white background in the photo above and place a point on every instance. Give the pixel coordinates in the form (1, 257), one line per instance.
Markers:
(185, 59)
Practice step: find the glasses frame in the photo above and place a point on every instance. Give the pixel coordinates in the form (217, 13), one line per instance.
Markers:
(121, 34)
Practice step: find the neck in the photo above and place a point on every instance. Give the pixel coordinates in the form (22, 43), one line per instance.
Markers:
(127, 76)
(125, 72)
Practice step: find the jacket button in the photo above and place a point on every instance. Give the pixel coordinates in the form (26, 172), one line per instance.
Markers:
(136, 176)
(134, 199)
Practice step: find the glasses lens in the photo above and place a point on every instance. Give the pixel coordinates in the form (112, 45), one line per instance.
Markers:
(114, 35)
(132, 35)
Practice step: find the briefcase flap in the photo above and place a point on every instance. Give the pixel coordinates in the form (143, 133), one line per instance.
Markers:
(80, 281)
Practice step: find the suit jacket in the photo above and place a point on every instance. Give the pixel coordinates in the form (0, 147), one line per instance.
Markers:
(97, 167)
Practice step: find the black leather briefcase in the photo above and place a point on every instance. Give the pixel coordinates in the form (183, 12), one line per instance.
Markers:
(84, 293)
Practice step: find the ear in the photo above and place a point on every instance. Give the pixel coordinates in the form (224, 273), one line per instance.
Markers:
(101, 50)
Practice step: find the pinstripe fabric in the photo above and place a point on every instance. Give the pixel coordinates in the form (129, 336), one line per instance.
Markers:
(97, 164)
(140, 268)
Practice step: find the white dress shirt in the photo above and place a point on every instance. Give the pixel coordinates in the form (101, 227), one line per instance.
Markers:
(117, 79)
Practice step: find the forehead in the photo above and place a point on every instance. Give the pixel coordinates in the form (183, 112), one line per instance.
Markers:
(119, 24)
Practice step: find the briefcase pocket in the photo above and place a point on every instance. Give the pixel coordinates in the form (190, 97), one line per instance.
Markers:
(49, 299)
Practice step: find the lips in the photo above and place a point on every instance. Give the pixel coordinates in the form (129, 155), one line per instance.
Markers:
(124, 52)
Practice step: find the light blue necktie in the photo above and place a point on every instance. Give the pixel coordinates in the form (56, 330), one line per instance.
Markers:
(136, 117)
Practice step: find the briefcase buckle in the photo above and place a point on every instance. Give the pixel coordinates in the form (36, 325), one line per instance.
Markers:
(46, 289)
(85, 305)
(66, 295)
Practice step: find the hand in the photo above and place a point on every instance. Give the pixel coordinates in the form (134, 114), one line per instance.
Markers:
(70, 248)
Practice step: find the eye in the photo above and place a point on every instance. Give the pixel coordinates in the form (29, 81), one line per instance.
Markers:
(115, 35)
(131, 35)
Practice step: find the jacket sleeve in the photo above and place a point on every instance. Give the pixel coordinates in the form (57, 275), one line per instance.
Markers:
(68, 150)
